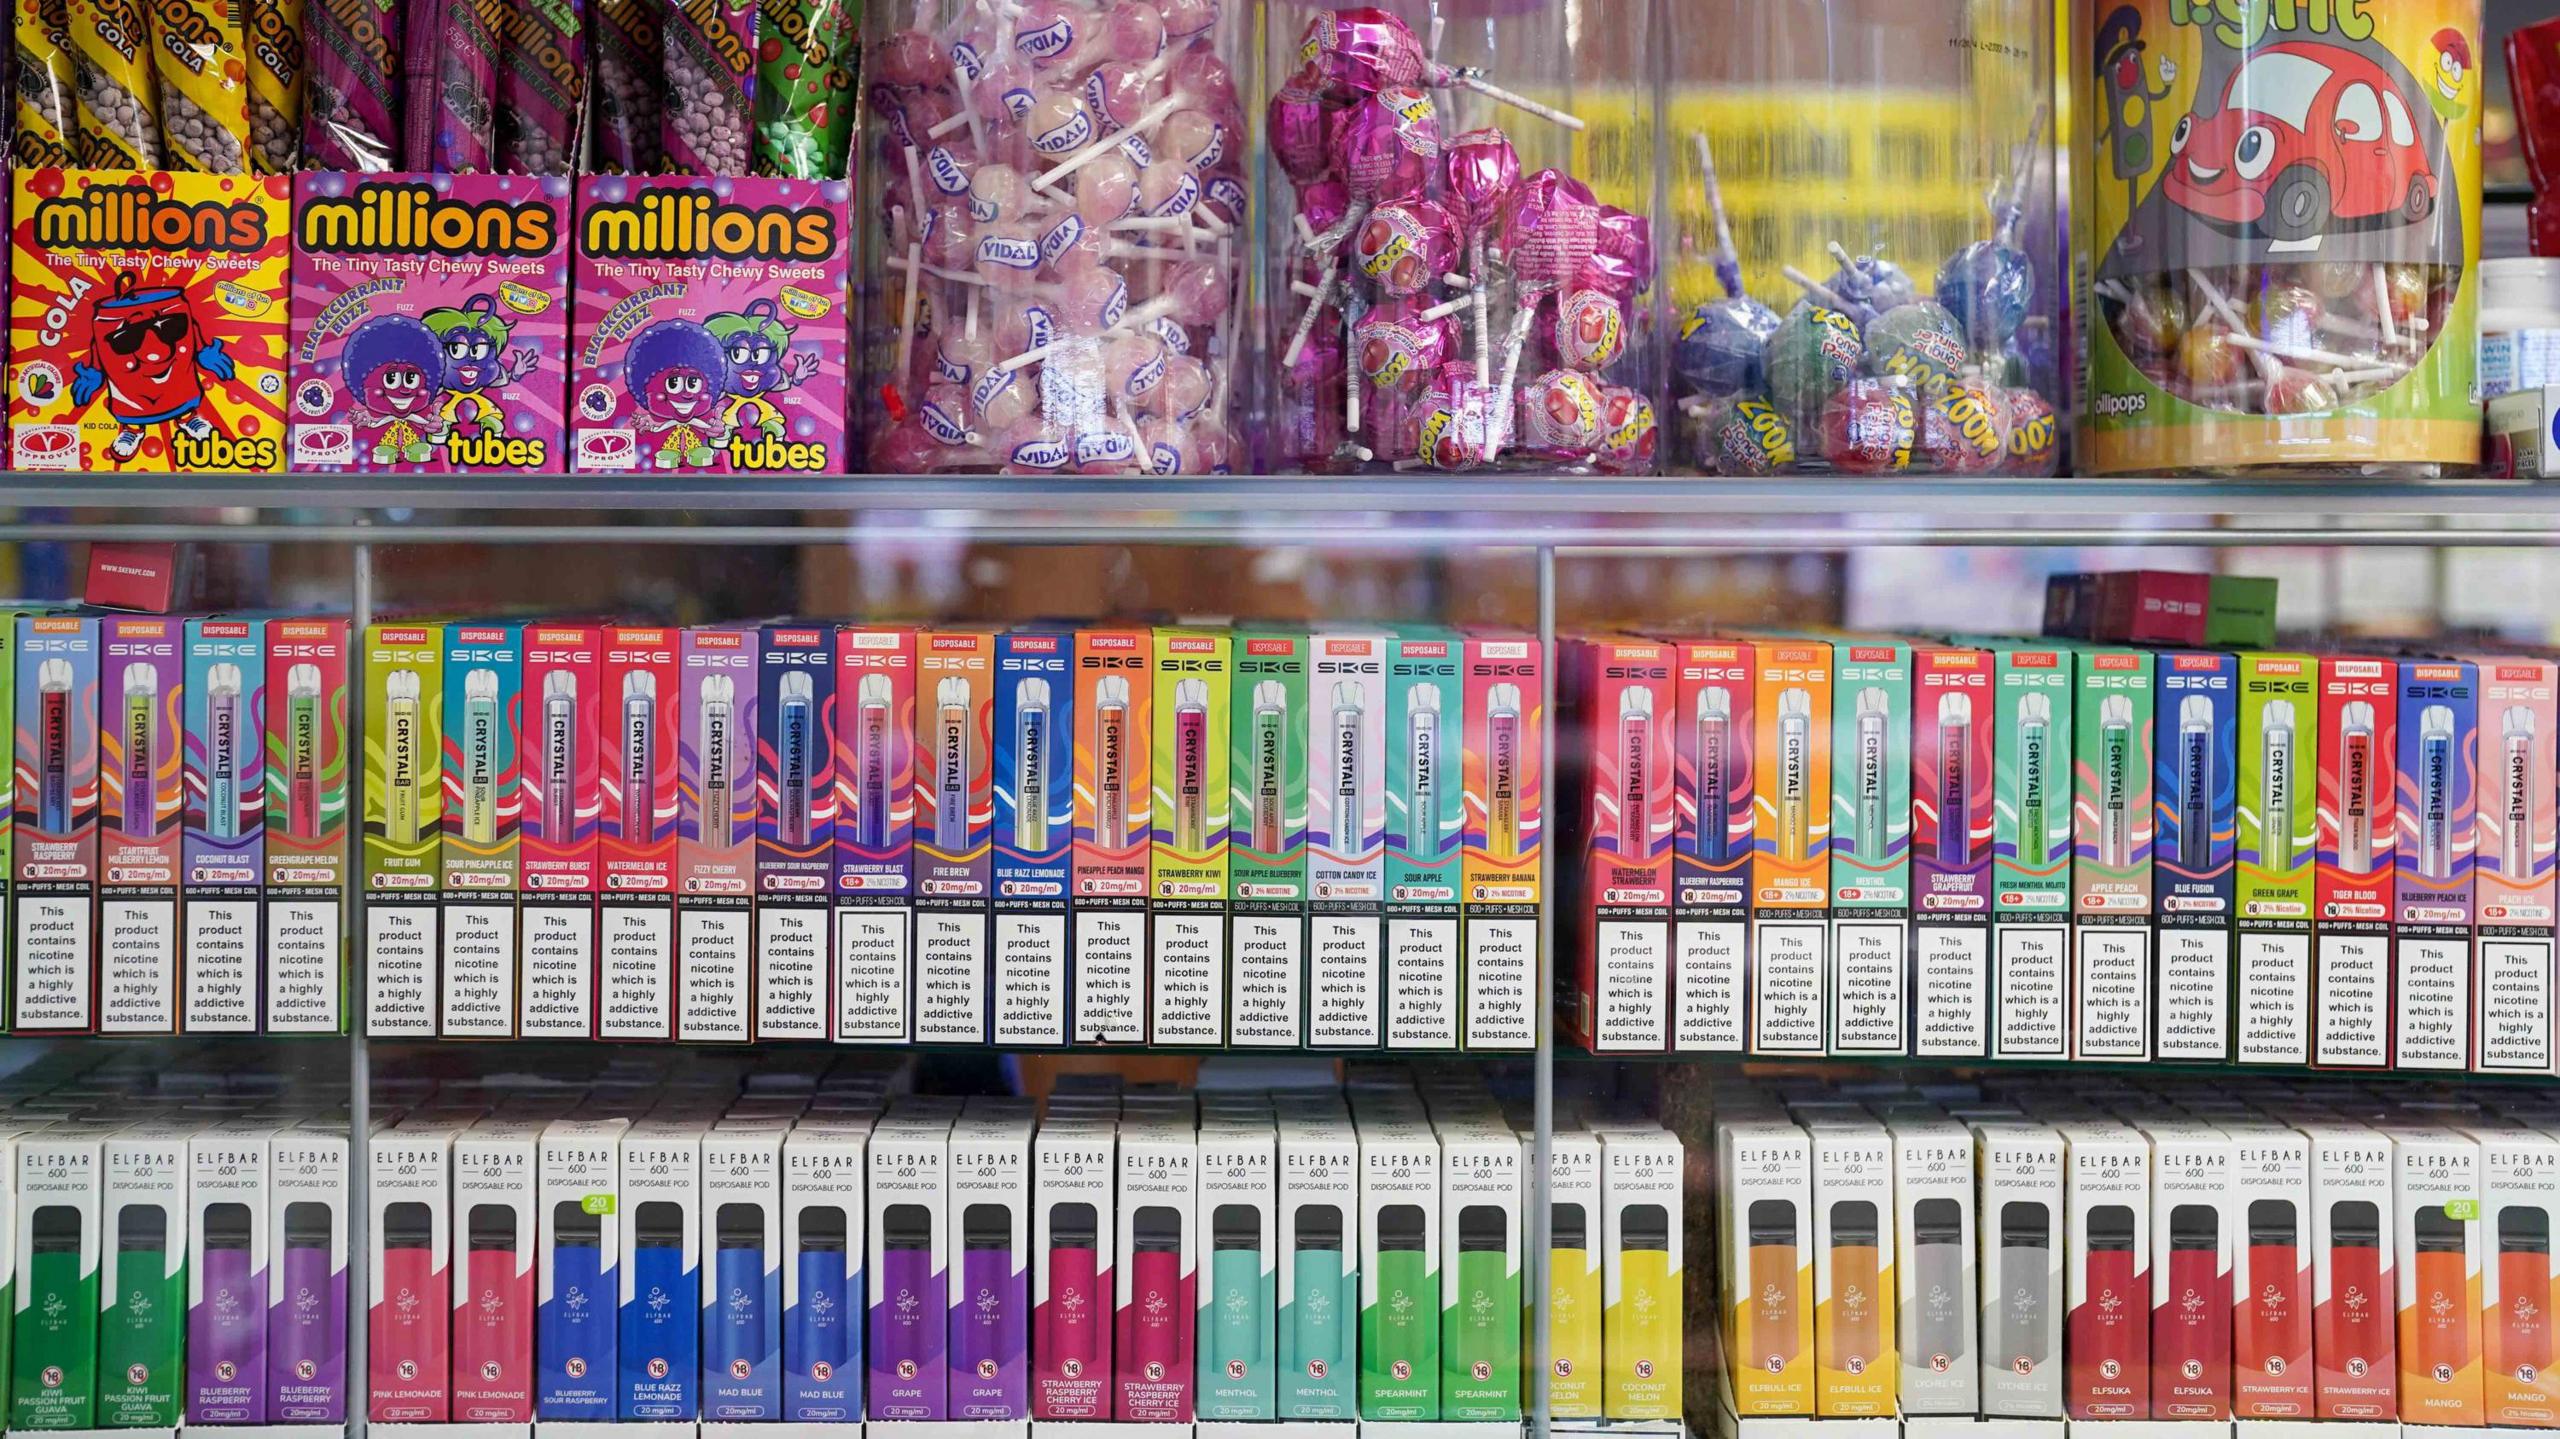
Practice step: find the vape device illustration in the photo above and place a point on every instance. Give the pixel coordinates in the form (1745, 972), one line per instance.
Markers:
(2355, 787)
(1191, 766)
(2020, 1339)
(405, 740)
(1111, 742)
(2440, 1340)
(740, 1331)
(1502, 753)
(2523, 1328)
(2191, 1330)
(871, 760)
(1934, 1327)
(2360, 1326)
(717, 732)
(1774, 1266)
(1574, 1303)
(2277, 1310)
(222, 750)
(1635, 770)
(1955, 780)
(307, 1344)
(2276, 788)
(660, 1332)
(987, 1325)
(1715, 744)
(2116, 767)
(817, 1343)
(1032, 758)
(1237, 1317)
(1795, 779)
(492, 1326)
(1073, 1336)
(57, 1334)
(2110, 1333)
(558, 755)
(1868, 837)
(1422, 770)
(141, 751)
(1400, 1343)
(303, 758)
(1269, 719)
(2195, 783)
(576, 1325)
(2435, 792)
(1853, 1329)
(1317, 1333)
(139, 1330)
(480, 721)
(2035, 773)
(1155, 1290)
(2515, 799)
(1351, 767)
(795, 759)
(907, 1338)
(408, 1335)
(1644, 1325)
(633, 821)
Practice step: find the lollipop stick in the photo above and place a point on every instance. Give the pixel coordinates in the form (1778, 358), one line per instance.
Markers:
(1484, 309)
(2303, 354)
(1148, 119)
(2382, 306)
(1513, 344)
(2268, 369)
(1218, 342)
(1473, 81)
(1351, 385)
(1728, 260)
(972, 331)
(1450, 307)
(1818, 290)
(948, 124)
(1307, 322)
(907, 319)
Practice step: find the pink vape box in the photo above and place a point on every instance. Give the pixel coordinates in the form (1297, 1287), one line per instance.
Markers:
(716, 834)
(561, 759)
(142, 669)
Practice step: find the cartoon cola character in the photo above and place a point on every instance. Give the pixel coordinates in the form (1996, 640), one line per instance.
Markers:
(476, 359)
(396, 370)
(762, 362)
(678, 374)
(2129, 98)
(150, 356)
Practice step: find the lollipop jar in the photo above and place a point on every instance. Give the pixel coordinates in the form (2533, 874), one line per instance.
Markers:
(2282, 238)
(1061, 194)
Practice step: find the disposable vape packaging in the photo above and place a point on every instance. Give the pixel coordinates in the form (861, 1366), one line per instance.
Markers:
(1616, 694)
(1153, 1304)
(481, 856)
(1319, 1248)
(142, 1310)
(2019, 1167)
(1641, 1209)
(496, 1179)
(223, 801)
(1424, 813)
(1034, 798)
(579, 1266)
(2359, 841)
(2267, 1214)
(403, 826)
(2195, 825)
(1871, 836)
(2432, 876)
(9, 821)
(306, 1301)
(795, 830)
(2031, 854)
(1764, 1204)
(560, 807)
(2353, 1280)
(2190, 1262)
(2111, 853)
(1267, 766)
(54, 1341)
(954, 832)
(823, 1174)
(988, 1212)
(909, 1259)
(1236, 1348)
(657, 1340)
(1114, 698)
(2436, 1231)
(1854, 1359)
(1790, 849)
(307, 820)
(2107, 1272)
(741, 1294)
(716, 833)
(142, 671)
(1952, 732)
(2519, 1179)
(1187, 868)
(1346, 838)
(1576, 1252)
(1483, 1194)
(875, 780)
(2279, 832)
(2513, 876)
(54, 970)
(229, 1250)
(640, 687)
(1075, 1176)
(409, 1194)
(1501, 877)
(1934, 1273)
(1400, 1243)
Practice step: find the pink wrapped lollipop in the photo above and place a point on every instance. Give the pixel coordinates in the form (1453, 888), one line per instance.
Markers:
(1400, 342)
(1294, 124)
(1481, 172)
(1405, 246)
(1560, 413)
(1385, 148)
(1194, 293)
(1363, 50)
(1457, 426)
(1548, 233)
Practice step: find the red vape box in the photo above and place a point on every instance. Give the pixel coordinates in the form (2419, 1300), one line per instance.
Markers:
(1618, 695)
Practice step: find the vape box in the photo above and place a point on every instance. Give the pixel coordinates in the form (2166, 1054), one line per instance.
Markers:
(955, 711)
(1871, 835)
(1935, 1269)
(875, 781)
(2353, 1278)
(496, 1177)
(53, 969)
(1501, 876)
(2240, 611)
(2031, 854)
(54, 1339)
(656, 1218)
(1616, 695)
(483, 689)
(2191, 1243)
(716, 833)
(1709, 728)
(1075, 1174)
(1764, 1204)
(1187, 878)
(2150, 607)
(1952, 732)
(142, 670)
(1267, 766)
(1854, 1358)
(1400, 1242)
(2019, 1168)
(222, 793)
(909, 1255)
(142, 1311)
(2267, 1215)
(1790, 849)
(560, 809)
(1346, 838)
(640, 686)
(1483, 1196)
(1425, 815)
(9, 822)
(2519, 1175)
(1155, 1282)
(409, 1195)
(2195, 784)
(2512, 879)
(2106, 1264)
(579, 1264)
(1643, 1264)
(2279, 827)
(1236, 1355)
(2437, 1239)
(1114, 697)
(823, 1174)
(229, 1249)
(988, 1210)
(2432, 874)
(1034, 798)
(2111, 853)
(403, 826)
(2359, 840)
(307, 1206)
(795, 830)
(1576, 1253)
(741, 1294)
(1319, 1247)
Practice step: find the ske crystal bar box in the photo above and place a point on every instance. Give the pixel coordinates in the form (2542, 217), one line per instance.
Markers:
(1347, 823)
(715, 834)
(1425, 815)
(2111, 853)
(1501, 874)
(1870, 870)
(1617, 694)
(223, 752)
(560, 807)
(2359, 827)
(1114, 698)
(1709, 727)
(1790, 864)
(2432, 874)
(795, 830)
(639, 684)
(2031, 853)
(2279, 840)
(483, 690)
(875, 792)
(1034, 798)
(955, 712)
(1952, 731)
(2195, 788)
(1187, 868)
(2513, 878)
(1267, 766)
(53, 963)
(142, 671)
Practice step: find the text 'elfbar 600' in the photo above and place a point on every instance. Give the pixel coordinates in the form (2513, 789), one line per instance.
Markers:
(141, 750)
(1111, 741)
(480, 721)
(2355, 786)
(2035, 763)
(871, 723)
(1867, 841)
(2195, 784)
(1502, 772)
(559, 812)
(1270, 720)
(53, 746)
(1422, 769)
(2435, 792)
(951, 732)
(1635, 768)
(1031, 761)
(795, 758)
(404, 756)
(2515, 802)
(2275, 786)
(1191, 766)
(1795, 776)
(717, 736)
(1955, 780)
(2115, 780)
(222, 685)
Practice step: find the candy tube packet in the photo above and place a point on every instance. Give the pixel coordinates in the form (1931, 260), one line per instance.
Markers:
(275, 85)
(451, 120)
(541, 80)
(809, 51)
(119, 125)
(630, 65)
(48, 112)
(201, 61)
(711, 79)
(351, 119)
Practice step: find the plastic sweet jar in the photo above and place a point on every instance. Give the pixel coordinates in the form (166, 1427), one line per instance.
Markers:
(1865, 269)
(2282, 234)
(1459, 249)
(1061, 193)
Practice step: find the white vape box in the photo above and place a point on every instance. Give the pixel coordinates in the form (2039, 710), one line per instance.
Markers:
(2191, 1191)
(1346, 883)
(2019, 1190)
(1934, 1270)
(1764, 1198)
(2435, 1215)
(2352, 1172)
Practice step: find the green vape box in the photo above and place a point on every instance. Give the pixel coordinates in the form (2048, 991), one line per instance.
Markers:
(1267, 839)
(142, 1326)
(1870, 846)
(1480, 1234)
(1399, 1268)
(1426, 827)
(2111, 853)
(2279, 839)
(1236, 1348)
(403, 794)
(2031, 851)
(53, 1351)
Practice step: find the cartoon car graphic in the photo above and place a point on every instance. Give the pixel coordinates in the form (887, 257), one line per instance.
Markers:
(2306, 138)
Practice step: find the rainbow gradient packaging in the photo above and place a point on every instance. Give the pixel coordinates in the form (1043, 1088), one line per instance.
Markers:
(1501, 880)
(1870, 848)
(430, 324)
(483, 690)
(795, 830)
(403, 825)
(710, 334)
(53, 968)
(2512, 886)
(955, 714)
(1952, 733)
(1187, 878)
(560, 806)
(1346, 838)
(2279, 835)
(1616, 693)
(142, 672)
(1034, 846)
(1114, 699)
(875, 796)
(2431, 876)
(1710, 729)
(640, 687)
(2195, 787)
(1790, 849)
(2359, 825)
(716, 833)
(1267, 766)
(1424, 818)
(308, 815)
(2031, 852)
(223, 795)
(2111, 891)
